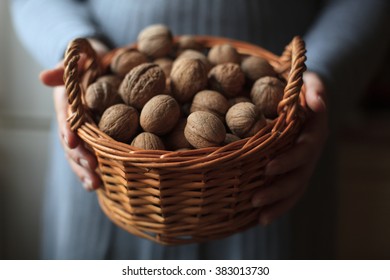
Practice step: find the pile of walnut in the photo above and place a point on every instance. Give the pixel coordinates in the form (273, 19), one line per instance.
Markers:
(167, 96)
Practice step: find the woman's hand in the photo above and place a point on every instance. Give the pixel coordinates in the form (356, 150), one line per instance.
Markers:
(81, 160)
(293, 169)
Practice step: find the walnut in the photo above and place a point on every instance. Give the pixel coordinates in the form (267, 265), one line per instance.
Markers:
(120, 122)
(256, 67)
(126, 59)
(112, 79)
(142, 83)
(210, 101)
(194, 54)
(227, 78)
(188, 42)
(148, 141)
(176, 140)
(155, 41)
(230, 138)
(204, 129)
(244, 119)
(160, 114)
(166, 65)
(188, 77)
(101, 95)
(266, 94)
(224, 53)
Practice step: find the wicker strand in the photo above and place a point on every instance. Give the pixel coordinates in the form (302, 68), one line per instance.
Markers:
(292, 90)
(72, 78)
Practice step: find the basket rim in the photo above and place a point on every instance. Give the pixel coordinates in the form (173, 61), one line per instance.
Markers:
(201, 157)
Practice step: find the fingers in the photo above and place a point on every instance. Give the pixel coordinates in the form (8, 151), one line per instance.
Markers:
(52, 77)
(275, 211)
(83, 165)
(81, 160)
(312, 137)
(290, 160)
(306, 150)
(315, 92)
(282, 188)
(293, 168)
(281, 195)
(70, 138)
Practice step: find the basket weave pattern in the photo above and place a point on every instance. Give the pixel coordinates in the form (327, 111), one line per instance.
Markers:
(179, 197)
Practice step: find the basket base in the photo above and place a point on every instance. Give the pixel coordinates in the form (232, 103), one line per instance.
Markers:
(170, 237)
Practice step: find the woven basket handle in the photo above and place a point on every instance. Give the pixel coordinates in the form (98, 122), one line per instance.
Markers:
(73, 79)
(294, 57)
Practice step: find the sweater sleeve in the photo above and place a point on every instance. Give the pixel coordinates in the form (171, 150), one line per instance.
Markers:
(348, 42)
(45, 27)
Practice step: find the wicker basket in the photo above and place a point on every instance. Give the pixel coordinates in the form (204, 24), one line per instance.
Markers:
(186, 196)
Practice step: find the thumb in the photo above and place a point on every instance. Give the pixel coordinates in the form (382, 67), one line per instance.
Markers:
(53, 77)
(315, 92)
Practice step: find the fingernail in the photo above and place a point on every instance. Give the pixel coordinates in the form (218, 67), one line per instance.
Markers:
(84, 163)
(65, 140)
(322, 102)
(87, 183)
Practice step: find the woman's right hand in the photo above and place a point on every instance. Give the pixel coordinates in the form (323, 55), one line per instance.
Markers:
(81, 160)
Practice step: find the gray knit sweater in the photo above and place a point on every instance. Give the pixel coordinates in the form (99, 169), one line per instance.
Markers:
(337, 33)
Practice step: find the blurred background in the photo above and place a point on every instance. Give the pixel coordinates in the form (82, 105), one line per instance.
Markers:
(25, 112)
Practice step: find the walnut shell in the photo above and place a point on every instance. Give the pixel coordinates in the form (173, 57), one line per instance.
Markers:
(266, 94)
(244, 119)
(101, 95)
(160, 114)
(120, 122)
(210, 101)
(223, 53)
(188, 42)
(166, 65)
(155, 40)
(230, 138)
(194, 54)
(188, 77)
(176, 140)
(227, 78)
(125, 60)
(114, 80)
(141, 84)
(255, 67)
(148, 141)
(204, 129)
(235, 100)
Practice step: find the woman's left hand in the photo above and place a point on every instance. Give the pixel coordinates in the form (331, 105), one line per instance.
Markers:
(294, 168)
